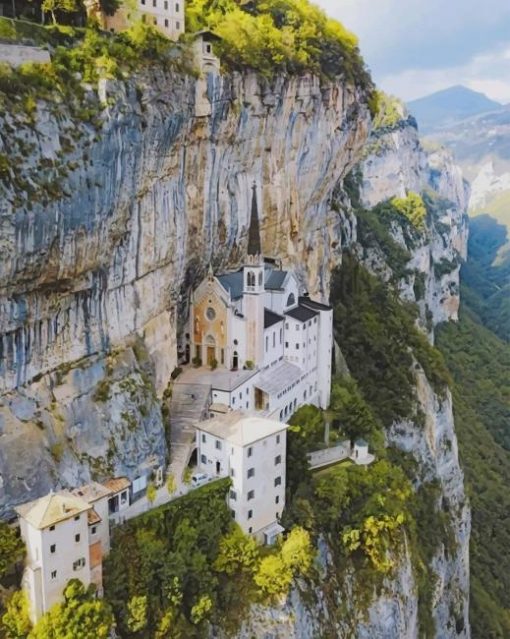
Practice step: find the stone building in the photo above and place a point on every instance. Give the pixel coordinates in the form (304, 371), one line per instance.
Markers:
(251, 451)
(270, 348)
(65, 538)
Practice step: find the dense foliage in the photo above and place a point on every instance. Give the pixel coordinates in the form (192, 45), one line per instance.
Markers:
(480, 365)
(294, 36)
(191, 565)
(486, 275)
(381, 343)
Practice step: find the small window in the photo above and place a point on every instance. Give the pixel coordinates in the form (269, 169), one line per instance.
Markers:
(53, 548)
(208, 48)
(154, 3)
(232, 472)
(177, 25)
(203, 438)
(297, 327)
(165, 4)
(251, 495)
(250, 514)
(52, 527)
(287, 325)
(233, 513)
(277, 439)
(155, 21)
(277, 499)
(76, 517)
(286, 344)
(203, 459)
(251, 472)
(93, 530)
(77, 538)
(166, 25)
(177, 7)
(250, 451)
(250, 530)
(123, 497)
(218, 444)
(278, 481)
(53, 574)
(79, 563)
(233, 495)
(297, 347)
(143, 2)
(233, 400)
(277, 460)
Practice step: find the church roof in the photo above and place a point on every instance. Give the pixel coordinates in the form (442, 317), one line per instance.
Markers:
(52, 509)
(275, 279)
(301, 313)
(233, 283)
(278, 378)
(254, 247)
(317, 306)
(270, 318)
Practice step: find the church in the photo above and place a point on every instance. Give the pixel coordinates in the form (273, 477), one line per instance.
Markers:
(269, 347)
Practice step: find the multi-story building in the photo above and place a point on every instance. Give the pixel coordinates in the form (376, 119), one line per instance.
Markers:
(63, 539)
(270, 348)
(165, 15)
(251, 451)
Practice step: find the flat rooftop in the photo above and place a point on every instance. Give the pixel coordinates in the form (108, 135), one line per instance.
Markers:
(220, 379)
(240, 428)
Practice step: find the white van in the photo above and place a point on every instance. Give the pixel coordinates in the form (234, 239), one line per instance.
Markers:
(199, 479)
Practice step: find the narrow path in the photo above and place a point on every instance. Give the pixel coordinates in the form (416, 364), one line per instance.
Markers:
(188, 407)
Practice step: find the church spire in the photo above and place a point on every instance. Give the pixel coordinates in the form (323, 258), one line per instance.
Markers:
(254, 247)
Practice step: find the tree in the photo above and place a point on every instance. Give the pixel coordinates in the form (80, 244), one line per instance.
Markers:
(79, 616)
(137, 608)
(201, 608)
(51, 6)
(237, 553)
(273, 577)
(413, 208)
(171, 484)
(151, 493)
(12, 549)
(15, 621)
(297, 551)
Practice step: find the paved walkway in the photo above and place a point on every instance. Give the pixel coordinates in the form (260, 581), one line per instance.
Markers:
(188, 406)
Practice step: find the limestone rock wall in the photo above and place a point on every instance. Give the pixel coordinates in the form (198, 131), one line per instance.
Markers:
(395, 164)
(109, 217)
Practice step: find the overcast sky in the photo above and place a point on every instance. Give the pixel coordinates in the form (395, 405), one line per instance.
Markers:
(416, 47)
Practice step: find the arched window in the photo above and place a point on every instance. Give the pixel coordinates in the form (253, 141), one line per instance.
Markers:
(250, 278)
(291, 300)
(210, 340)
(197, 325)
(260, 278)
(281, 415)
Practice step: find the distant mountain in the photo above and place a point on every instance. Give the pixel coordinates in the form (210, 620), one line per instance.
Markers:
(450, 106)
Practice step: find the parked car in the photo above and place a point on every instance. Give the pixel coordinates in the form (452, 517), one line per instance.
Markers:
(199, 479)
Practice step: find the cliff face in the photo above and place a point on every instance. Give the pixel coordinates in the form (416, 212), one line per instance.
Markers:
(396, 163)
(96, 274)
(117, 219)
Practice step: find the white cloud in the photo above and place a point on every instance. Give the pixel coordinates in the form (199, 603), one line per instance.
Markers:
(420, 46)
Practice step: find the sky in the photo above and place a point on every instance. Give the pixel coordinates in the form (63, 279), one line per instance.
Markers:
(416, 47)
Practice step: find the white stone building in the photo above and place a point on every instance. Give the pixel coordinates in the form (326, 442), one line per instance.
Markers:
(270, 348)
(65, 538)
(166, 15)
(251, 451)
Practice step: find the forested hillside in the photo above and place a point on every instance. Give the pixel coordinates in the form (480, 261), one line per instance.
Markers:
(479, 361)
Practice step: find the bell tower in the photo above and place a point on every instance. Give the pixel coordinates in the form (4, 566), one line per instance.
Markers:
(254, 289)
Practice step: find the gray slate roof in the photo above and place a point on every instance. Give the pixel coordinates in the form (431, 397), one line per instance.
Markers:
(270, 318)
(317, 306)
(233, 282)
(301, 313)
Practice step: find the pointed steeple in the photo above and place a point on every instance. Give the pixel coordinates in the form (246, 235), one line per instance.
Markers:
(254, 246)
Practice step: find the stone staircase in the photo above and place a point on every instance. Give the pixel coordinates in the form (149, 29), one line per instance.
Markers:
(188, 406)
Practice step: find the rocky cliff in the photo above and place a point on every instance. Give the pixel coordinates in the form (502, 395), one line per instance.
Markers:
(117, 219)
(106, 224)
